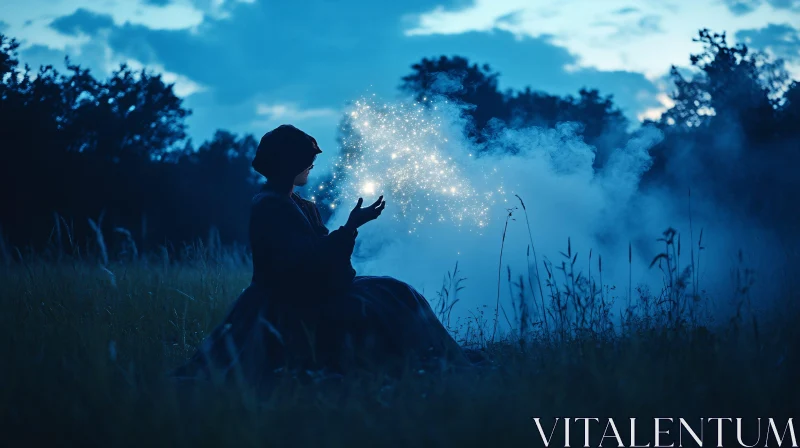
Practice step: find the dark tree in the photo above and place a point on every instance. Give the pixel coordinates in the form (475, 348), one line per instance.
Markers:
(214, 186)
(732, 84)
(601, 123)
(730, 135)
(80, 155)
(457, 80)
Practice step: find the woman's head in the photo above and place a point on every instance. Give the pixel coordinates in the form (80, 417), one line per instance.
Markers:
(286, 155)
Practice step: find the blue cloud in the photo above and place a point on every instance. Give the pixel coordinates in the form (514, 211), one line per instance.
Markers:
(742, 7)
(650, 24)
(512, 18)
(782, 39)
(793, 5)
(627, 10)
(82, 21)
(3, 26)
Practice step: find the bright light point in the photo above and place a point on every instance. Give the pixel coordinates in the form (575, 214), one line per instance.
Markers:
(368, 188)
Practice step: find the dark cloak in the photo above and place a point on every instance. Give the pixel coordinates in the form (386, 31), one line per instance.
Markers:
(306, 309)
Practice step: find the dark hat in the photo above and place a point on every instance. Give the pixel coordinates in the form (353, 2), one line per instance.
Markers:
(285, 152)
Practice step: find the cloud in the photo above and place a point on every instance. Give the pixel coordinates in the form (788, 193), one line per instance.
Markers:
(3, 26)
(511, 19)
(626, 10)
(97, 56)
(793, 5)
(32, 21)
(82, 21)
(217, 9)
(609, 35)
(650, 23)
(782, 40)
(291, 112)
(742, 7)
(183, 86)
(654, 113)
(634, 28)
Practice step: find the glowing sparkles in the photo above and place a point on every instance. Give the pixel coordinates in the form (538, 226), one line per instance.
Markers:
(395, 150)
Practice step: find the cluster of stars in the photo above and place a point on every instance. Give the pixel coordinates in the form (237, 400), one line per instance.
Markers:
(399, 151)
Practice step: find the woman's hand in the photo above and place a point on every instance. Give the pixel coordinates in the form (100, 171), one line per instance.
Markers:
(360, 216)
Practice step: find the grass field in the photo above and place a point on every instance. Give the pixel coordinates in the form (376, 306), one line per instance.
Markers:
(86, 345)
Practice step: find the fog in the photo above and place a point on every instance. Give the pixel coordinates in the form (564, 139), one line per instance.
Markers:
(550, 170)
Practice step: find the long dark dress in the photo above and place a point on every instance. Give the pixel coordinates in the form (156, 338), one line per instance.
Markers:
(307, 310)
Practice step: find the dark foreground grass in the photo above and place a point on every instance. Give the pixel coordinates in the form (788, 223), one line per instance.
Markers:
(86, 348)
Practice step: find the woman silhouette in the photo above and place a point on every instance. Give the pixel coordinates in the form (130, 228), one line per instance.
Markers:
(305, 308)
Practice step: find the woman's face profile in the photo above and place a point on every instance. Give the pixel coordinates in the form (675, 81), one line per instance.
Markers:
(302, 178)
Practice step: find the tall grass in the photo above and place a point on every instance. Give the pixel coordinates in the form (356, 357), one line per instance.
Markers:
(88, 335)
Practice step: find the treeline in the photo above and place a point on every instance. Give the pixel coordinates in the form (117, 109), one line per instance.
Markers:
(79, 152)
(732, 135)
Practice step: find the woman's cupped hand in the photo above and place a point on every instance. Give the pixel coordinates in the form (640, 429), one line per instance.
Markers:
(362, 215)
